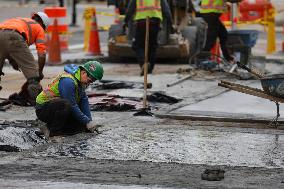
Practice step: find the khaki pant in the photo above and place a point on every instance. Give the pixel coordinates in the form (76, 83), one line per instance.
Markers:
(14, 48)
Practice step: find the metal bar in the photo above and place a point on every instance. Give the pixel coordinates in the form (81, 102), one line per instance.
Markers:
(242, 86)
(180, 80)
(251, 91)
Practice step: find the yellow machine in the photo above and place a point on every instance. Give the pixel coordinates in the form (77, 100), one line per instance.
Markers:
(184, 44)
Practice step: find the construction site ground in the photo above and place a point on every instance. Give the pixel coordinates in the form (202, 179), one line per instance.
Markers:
(170, 150)
(211, 128)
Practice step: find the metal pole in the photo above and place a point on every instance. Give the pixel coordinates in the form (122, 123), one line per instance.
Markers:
(74, 15)
(146, 62)
(61, 3)
(234, 12)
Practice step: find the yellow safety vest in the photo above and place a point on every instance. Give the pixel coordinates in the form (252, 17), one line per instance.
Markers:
(148, 8)
(215, 6)
(52, 91)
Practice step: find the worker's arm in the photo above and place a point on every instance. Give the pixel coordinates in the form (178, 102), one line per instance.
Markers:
(41, 63)
(166, 11)
(84, 105)
(130, 11)
(41, 52)
(67, 90)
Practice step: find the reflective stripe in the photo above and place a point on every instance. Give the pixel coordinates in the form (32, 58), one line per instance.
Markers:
(40, 41)
(148, 8)
(143, 7)
(52, 92)
(30, 29)
(213, 6)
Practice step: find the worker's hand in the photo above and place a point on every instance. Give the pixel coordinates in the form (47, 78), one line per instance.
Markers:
(93, 127)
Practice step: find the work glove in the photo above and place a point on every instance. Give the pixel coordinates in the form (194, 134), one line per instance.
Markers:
(93, 127)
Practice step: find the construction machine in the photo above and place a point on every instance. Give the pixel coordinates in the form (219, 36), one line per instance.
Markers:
(184, 43)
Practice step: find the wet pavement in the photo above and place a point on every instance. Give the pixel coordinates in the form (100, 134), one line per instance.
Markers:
(149, 152)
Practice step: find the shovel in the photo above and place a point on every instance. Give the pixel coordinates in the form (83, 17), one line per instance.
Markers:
(256, 73)
(145, 110)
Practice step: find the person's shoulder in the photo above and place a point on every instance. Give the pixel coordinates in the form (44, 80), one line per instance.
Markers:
(67, 81)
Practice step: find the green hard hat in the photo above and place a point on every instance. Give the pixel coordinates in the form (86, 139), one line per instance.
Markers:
(94, 68)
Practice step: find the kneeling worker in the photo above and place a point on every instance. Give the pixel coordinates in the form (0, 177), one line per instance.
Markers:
(64, 105)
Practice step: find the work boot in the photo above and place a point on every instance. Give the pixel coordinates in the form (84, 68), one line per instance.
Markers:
(150, 68)
(44, 131)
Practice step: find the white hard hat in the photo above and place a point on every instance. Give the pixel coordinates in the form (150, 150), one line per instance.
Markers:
(45, 19)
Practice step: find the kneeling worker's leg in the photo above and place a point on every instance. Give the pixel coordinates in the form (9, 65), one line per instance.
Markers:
(55, 113)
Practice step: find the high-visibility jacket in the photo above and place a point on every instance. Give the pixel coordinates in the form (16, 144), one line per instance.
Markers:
(148, 8)
(52, 91)
(215, 6)
(33, 32)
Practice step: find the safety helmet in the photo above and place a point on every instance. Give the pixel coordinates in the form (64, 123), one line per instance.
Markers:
(94, 69)
(45, 19)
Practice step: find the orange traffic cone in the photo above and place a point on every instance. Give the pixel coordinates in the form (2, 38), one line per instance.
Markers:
(54, 54)
(94, 41)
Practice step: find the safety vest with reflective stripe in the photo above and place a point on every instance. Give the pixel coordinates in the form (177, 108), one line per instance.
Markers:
(148, 8)
(216, 6)
(32, 30)
(52, 91)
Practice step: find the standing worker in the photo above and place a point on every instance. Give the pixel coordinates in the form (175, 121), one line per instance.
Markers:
(64, 105)
(139, 10)
(16, 35)
(210, 11)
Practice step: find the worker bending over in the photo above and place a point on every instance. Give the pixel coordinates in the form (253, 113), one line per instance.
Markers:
(64, 105)
(16, 35)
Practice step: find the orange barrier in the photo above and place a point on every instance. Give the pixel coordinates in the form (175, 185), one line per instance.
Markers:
(54, 54)
(94, 41)
(251, 10)
(58, 13)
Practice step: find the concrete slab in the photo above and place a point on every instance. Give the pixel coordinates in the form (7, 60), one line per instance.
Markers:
(232, 105)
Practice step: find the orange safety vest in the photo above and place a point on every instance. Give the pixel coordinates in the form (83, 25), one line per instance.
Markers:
(32, 30)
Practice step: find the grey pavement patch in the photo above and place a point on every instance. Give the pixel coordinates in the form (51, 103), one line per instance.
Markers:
(231, 105)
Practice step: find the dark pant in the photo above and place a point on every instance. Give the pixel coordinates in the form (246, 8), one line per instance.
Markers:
(216, 29)
(139, 42)
(57, 114)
